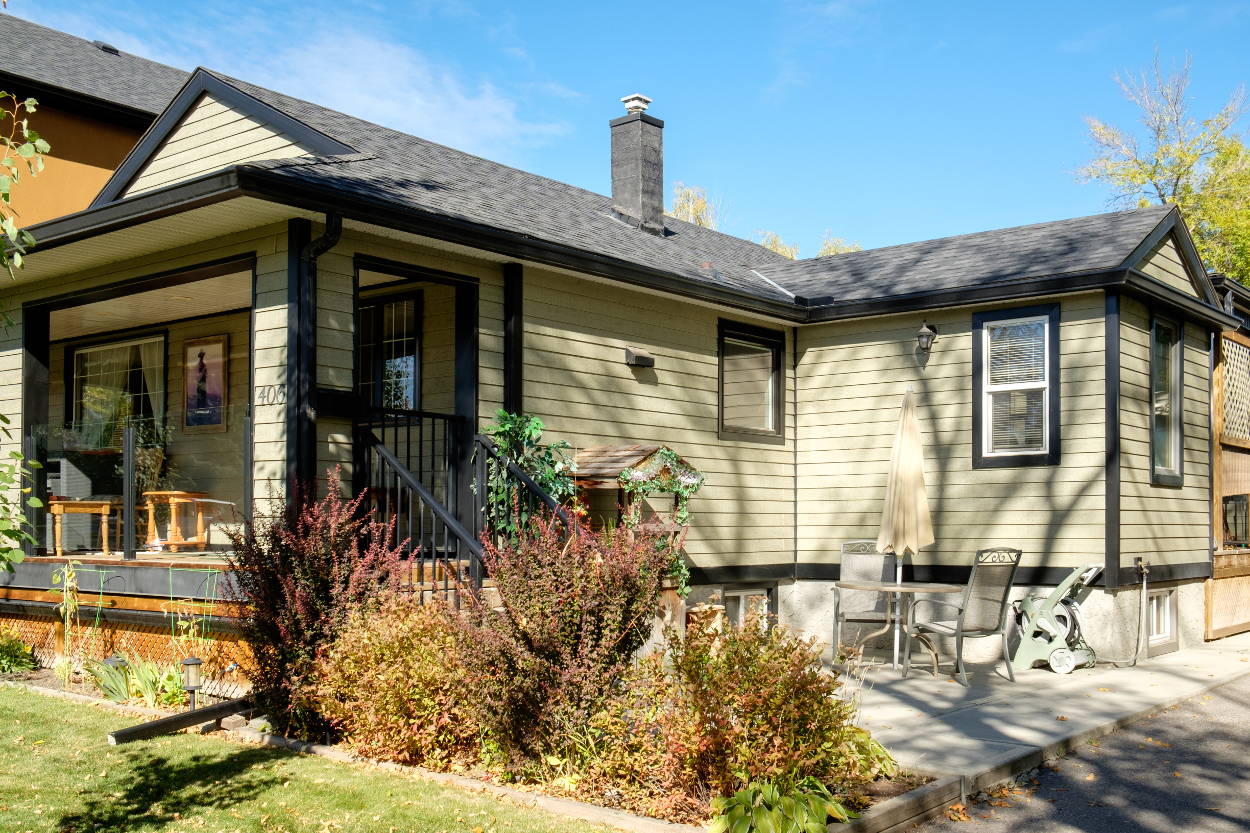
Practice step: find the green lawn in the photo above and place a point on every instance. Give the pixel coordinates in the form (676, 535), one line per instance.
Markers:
(59, 775)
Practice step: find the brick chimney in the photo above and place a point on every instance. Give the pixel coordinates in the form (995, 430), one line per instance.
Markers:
(638, 166)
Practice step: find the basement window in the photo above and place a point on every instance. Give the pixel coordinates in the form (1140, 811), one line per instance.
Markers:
(1016, 393)
(752, 391)
(740, 604)
(1161, 622)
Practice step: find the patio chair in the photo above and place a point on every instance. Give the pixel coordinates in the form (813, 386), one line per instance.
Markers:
(861, 561)
(981, 611)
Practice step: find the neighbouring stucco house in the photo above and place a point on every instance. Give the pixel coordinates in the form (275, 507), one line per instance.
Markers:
(373, 298)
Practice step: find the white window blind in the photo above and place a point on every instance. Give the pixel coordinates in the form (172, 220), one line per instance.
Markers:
(1015, 386)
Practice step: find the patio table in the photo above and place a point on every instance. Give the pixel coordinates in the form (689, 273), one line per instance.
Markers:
(900, 591)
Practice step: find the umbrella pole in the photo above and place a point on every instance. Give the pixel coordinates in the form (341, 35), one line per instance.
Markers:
(898, 605)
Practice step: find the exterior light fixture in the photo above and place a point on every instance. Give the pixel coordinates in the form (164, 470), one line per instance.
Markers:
(191, 679)
(925, 336)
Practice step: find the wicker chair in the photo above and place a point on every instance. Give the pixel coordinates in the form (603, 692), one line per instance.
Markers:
(861, 561)
(982, 611)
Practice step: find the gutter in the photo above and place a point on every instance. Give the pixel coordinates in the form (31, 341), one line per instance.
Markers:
(259, 183)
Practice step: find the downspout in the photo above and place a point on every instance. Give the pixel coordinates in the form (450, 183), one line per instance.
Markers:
(306, 346)
(794, 363)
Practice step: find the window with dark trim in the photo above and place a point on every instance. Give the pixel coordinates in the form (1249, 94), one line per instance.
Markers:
(1167, 414)
(389, 352)
(1015, 381)
(752, 387)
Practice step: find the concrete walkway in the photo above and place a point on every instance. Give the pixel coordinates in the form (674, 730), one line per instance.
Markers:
(996, 728)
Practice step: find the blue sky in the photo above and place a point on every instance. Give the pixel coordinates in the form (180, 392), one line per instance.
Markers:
(882, 122)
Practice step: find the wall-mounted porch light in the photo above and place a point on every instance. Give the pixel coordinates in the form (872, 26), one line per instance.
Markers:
(925, 336)
(191, 679)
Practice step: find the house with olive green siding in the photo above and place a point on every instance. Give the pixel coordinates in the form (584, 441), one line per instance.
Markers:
(265, 289)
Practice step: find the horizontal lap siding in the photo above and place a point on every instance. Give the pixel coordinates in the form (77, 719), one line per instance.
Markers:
(1166, 525)
(1164, 264)
(11, 384)
(269, 362)
(577, 382)
(212, 136)
(852, 379)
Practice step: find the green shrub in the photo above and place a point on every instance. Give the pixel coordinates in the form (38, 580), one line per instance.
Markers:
(154, 683)
(393, 686)
(113, 681)
(571, 615)
(720, 710)
(15, 655)
(760, 807)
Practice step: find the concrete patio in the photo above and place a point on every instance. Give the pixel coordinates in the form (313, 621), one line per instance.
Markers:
(996, 728)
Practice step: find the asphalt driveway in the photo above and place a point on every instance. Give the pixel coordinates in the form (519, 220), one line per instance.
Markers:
(1186, 768)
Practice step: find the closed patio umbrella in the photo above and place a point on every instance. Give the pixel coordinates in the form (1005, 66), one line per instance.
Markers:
(906, 525)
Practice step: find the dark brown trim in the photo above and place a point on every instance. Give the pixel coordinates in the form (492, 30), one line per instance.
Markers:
(1195, 269)
(466, 394)
(1026, 576)
(146, 283)
(1111, 447)
(76, 103)
(404, 271)
(272, 185)
(201, 83)
(36, 359)
(513, 338)
(1171, 479)
(1052, 455)
(775, 342)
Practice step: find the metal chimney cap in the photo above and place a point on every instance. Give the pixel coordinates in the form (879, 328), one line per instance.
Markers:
(635, 103)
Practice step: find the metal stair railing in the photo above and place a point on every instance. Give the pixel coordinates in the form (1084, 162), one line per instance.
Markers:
(442, 553)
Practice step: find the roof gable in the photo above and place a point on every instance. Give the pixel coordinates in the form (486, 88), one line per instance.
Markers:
(211, 125)
(1168, 256)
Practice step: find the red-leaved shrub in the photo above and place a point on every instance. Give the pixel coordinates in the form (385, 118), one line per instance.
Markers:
(393, 686)
(297, 573)
(570, 616)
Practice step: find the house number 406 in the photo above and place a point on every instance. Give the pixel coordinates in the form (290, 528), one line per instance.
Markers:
(271, 394)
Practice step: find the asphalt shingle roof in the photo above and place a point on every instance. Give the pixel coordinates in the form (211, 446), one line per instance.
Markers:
(415, 173)
(420, 174)
(1083, 244)
(57, 59)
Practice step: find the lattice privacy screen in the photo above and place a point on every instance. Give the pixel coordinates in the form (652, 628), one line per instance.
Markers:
(1236, 391)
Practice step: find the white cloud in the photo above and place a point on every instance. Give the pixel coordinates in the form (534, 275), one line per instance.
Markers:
(373, 76)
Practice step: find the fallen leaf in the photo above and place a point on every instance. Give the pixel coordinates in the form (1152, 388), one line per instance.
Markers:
(1177, 775)
(1091, 777)
(1061, 717)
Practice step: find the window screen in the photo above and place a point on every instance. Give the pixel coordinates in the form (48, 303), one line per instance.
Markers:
(750, 375)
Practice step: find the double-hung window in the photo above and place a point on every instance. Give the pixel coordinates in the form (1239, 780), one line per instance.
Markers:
(389, 353)
(1166, 410)
(752, 390)
(1016, 393)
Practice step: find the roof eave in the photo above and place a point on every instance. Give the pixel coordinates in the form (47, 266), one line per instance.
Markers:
(244, 181)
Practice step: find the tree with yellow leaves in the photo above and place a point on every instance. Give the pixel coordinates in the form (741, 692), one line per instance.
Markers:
(1200, 165)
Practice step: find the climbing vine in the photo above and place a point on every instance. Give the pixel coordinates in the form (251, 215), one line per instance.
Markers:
(664, 473)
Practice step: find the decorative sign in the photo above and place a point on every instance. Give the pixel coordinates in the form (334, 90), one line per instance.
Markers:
(205, 383)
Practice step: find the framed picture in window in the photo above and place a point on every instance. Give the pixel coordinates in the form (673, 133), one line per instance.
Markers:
(204, 385)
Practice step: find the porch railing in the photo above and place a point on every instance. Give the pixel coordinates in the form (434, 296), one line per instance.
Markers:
(504, 496)
(424, 443)
(409, 479)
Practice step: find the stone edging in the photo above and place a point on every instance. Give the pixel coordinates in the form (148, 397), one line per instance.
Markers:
(894, 814)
